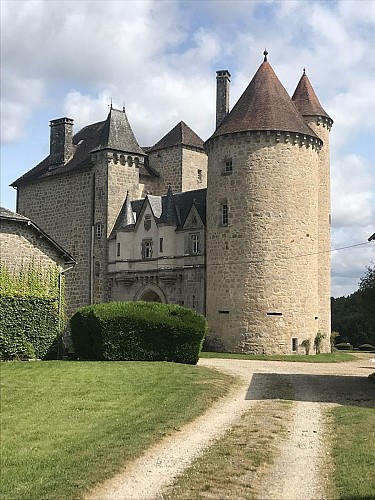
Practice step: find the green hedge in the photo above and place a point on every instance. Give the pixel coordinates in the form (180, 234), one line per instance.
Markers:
(142, 331)
(28, 327)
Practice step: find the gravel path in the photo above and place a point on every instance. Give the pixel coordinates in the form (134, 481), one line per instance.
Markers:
(296, 473)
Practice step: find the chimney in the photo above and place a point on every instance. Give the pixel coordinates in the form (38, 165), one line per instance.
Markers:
(222, 95)
(61, 141)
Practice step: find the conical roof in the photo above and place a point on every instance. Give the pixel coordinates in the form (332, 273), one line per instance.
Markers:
(265, 105)
(180, 134)
(117, 134)
(306, 100)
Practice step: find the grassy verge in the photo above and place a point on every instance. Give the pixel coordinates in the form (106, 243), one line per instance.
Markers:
(66, 426)
(235, 465)
(334, 357)
(353, 453)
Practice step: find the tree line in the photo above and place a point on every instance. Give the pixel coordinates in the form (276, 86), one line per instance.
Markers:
(353, 317)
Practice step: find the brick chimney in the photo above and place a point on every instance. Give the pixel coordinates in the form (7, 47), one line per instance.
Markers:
(222, 95)
(61, 141)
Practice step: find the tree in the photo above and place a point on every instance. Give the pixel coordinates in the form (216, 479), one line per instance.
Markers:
(367, 300)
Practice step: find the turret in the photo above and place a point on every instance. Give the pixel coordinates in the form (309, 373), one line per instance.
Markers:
(262, 223)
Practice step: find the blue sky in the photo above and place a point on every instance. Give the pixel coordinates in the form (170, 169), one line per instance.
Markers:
(70, 58)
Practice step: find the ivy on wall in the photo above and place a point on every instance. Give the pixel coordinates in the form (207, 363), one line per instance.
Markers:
(29, 312)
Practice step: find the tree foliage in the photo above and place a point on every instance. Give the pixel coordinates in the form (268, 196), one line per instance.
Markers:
(354, 316)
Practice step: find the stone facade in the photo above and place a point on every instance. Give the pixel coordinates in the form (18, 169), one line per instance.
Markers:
(23, 244)
(258, 264)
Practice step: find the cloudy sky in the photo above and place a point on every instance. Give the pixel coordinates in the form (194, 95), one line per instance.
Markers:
(159, 57)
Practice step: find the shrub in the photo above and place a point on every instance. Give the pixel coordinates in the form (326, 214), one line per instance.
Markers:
(366, 347)
(142, 331)
(344, 346)
(306, 345)
(372, 377)
(319, 337)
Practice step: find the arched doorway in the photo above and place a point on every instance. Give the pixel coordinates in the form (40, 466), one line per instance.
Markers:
(150, 296)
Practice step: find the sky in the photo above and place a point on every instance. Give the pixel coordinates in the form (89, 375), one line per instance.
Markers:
(159, 58)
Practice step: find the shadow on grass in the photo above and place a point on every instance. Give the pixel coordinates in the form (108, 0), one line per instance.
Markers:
(338, 389)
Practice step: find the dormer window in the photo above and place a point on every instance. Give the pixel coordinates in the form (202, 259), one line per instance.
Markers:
(147, 222)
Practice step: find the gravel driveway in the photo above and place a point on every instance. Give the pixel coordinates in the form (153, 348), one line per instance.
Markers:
(296, 473)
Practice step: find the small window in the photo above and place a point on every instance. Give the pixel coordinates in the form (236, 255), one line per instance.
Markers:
(224, 214)
(161, 245)
(200, 175)
(147, 222)
(195, 243)
(294, 344)
(98, 230)
(146, 249)
(193, 302)
(228, 166)
(118, 249)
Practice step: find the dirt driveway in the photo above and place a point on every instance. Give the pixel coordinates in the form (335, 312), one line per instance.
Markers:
(296, 473)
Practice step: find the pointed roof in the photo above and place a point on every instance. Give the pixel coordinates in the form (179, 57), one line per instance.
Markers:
(125, 217)
(264, 105)
(180, 134)
(169, 215)
(306, 100)
(117, 134)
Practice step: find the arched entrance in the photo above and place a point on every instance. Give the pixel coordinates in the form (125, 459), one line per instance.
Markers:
(151, 293)
(150, 296)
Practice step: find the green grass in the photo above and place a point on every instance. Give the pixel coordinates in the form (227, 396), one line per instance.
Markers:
(334, 357)
(354, 452)
(66, 426)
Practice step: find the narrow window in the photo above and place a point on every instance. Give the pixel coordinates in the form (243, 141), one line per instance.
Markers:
(161, 245)
(118, 249)
(228, 167)
(195, 243)
(294, 344)
(98, 230)
(193, 302)
(199, 175)
(224, 214)
(147, 249)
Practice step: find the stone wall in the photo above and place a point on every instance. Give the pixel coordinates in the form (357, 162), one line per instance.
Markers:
(192, 161)
(62, 206)
(22, 245)
(262, 267)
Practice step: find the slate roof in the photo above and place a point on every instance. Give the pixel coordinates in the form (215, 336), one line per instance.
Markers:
(264, 105)
(306, 100)
(6, 214)
(169, 209)
(114, 133)
(181, 134)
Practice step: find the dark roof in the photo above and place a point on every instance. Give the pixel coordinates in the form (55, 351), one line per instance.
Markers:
(117, 134)
(264, 105)
(114, 133)
(6, 214)
(180, 134)
(169, 209)
(306, 100)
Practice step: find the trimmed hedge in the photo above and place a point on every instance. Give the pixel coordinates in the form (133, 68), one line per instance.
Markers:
(28, 327)
(138, 331)
(344, 346)
(366, 347)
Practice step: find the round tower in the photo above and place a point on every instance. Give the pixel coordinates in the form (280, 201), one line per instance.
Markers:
(262, 223)
(320, 122)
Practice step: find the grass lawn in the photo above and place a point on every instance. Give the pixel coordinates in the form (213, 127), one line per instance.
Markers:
(354, 452)
(334, 357)
(68, 425)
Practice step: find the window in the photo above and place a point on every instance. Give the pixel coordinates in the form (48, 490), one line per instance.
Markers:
(199, 175)
(161, 245)
(98, 230)
(195, 243)
(146, 249)
(294, 344)
(147, 222)
(224, 214)
(118, 249)
(228, 167)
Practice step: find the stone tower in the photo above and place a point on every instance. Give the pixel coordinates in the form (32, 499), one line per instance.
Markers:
(264, 212)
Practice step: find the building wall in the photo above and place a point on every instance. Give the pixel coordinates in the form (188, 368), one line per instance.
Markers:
(22, 245)
(265, 259)
(62, 207)
(322, 127)
(192, 161)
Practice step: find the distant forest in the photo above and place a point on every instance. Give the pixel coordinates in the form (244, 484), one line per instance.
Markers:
(353, 317)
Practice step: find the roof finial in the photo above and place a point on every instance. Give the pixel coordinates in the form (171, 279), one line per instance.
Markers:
(123, 107)
(265, 53)
(111, 103)
(304, 71)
